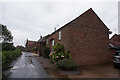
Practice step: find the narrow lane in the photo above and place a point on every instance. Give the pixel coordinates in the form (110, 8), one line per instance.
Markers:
(26, 66)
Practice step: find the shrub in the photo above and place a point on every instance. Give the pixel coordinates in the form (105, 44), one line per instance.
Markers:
(46, 52)
(8, 46)
(58, 48)
(57, 56)
(59, 53)
(68, 55)
(8, 56)
(66, 64)
(33, 49)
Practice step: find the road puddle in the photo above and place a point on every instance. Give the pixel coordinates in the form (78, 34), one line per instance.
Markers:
(15, 67)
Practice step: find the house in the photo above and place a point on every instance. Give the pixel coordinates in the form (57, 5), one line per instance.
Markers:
(36, 46)
(86, 37)
(30, 46)
(115, 37)
(40, 44)
(114, 43)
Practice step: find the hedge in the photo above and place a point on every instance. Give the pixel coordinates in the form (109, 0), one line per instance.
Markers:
(46, 52)
(8, 56)
(66, 64)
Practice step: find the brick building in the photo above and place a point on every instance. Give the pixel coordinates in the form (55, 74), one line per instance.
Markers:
(115, 38)
(86, 37)
(30, 46)
(40, 44)
(114, 43)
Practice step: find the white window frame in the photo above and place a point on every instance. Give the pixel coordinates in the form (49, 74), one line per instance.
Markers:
(47, 41)
(59, 35)
(53, 42)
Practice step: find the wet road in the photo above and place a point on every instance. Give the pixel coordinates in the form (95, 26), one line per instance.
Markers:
(26, 66)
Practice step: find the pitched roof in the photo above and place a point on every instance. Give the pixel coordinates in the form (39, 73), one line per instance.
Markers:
(43, 38)
(115, 37)
(115, 41)
(30, 42)
(114, 44)
(85, 13)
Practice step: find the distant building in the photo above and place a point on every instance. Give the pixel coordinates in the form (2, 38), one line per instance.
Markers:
(20, 47)
(30, 45)
(41, 43)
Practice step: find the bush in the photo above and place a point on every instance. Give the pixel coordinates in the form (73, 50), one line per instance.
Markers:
(59, 53)
(8, 56)
(66, 64)
(46, 52)
(33, 50)
(57, 56)
(68, 55)
(8, 47)
(58, 48)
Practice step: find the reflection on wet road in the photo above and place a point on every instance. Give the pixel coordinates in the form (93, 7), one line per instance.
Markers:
(26, 66)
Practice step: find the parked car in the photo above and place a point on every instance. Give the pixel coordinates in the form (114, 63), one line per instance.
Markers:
(116, 59)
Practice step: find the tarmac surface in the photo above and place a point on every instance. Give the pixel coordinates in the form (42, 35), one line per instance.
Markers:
(26, 66)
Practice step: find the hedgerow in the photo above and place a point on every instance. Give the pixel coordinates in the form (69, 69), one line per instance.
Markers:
(8, 56)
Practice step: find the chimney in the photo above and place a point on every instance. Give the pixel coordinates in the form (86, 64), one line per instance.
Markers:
(40, 37)
(54, 28)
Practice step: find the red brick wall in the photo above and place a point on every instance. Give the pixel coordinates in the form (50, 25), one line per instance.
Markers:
(65, 38)
(89, 40)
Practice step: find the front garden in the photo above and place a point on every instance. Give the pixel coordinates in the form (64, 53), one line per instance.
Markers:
(62, 60)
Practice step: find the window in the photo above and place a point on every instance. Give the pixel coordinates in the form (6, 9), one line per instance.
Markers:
(60, 35)
(47, 41)
(53, 42)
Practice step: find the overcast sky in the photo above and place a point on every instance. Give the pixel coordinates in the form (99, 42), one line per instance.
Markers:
(28, 20)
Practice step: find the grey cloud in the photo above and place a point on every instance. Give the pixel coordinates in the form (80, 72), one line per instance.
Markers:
(30, 20)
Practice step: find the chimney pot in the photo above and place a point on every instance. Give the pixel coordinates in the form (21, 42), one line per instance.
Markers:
(54, 28)
(40, 37)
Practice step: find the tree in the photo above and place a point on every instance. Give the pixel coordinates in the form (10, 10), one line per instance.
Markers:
(6, 36)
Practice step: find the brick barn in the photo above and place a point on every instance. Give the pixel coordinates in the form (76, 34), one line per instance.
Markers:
(86, 37)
